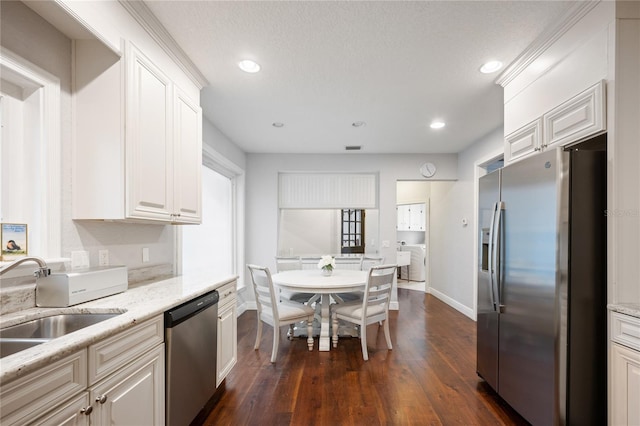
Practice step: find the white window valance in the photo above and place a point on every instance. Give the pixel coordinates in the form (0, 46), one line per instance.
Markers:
(328, 190)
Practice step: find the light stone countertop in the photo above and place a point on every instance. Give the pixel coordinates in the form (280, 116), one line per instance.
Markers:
(137, 304)
(631, 309)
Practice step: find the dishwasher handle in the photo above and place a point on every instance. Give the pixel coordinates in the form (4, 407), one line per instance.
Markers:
(183, 312)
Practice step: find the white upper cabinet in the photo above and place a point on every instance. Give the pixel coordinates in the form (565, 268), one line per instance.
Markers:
(187, 154)
(149, 142)
(138, 141)
(576, 119)
(524, 141)
(411, 217)
(572, 121)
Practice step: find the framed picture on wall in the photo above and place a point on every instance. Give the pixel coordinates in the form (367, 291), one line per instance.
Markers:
(14, 240)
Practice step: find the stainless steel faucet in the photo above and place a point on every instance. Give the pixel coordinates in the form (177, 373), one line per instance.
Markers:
(42, 271)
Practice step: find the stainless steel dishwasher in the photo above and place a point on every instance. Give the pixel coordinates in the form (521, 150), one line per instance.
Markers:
(191, 348)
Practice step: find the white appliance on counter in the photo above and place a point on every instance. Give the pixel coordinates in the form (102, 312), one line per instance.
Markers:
(416, 269)
(63, 289)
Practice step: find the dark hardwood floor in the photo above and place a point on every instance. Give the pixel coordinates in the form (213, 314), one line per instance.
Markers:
(428, 378)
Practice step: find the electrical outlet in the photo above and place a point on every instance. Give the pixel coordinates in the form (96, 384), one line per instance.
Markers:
(103, 257)
(385, 243)
(145, 254)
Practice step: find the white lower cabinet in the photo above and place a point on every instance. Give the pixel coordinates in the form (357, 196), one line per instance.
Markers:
(227, 332)
(132, 396)
(625, 370)
(40, 392)
(73, 413)
(118, 381)
(625, 392)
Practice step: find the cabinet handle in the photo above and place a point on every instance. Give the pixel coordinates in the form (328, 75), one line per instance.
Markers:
(101, 399)
(87, 410)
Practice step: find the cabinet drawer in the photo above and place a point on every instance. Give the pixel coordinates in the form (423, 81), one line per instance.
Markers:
(227, 295)
(111, 354)
(625, 330)
(26, 398)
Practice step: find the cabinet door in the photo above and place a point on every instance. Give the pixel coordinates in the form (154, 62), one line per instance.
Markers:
(149, 140)
(417, 217)
(579, 117)
(29, 397)
(625, 386)
(523, 142)
(404, 217)
(227, 339)
(187, 159)
(134, 395)
(73, 413)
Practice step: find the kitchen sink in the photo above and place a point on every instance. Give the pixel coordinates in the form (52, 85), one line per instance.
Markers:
(23, 336)
(10, 346)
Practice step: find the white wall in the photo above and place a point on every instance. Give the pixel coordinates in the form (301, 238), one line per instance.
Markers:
(453, 253)
(215, 139)
(262, 191)
(309, 232)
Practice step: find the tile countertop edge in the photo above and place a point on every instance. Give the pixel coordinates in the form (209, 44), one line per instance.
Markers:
(140, 303)
(631, 309)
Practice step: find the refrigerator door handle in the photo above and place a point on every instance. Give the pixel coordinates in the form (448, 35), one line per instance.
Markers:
(497, 247)
(492, 258)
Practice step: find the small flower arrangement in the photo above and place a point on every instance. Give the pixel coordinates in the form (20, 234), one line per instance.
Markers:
(327, 263)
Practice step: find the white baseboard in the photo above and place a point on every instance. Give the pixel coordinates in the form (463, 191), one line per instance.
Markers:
(453, 303)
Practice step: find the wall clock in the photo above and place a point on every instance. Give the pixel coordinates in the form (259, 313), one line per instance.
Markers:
(428, 170)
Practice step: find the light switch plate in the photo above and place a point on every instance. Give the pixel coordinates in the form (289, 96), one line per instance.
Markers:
(79, 259)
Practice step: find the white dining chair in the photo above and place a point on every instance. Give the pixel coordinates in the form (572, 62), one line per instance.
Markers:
(366, 263)
(349, 262)
(293, 263)
(374, 307)
(275, 313)
(370, 261)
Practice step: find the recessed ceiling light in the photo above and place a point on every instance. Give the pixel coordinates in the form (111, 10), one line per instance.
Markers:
(277, 124)
(249, 66)
(437, 125)
(358, 124)
(491, 66)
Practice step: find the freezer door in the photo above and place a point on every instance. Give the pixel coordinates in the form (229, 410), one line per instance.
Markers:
(487, 319)
(532, 233)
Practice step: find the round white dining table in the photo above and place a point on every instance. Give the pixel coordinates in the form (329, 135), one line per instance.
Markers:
(312, 281)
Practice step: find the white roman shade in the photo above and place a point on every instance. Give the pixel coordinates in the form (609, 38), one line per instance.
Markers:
(328, 190)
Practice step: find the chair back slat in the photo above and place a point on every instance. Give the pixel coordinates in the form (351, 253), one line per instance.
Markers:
(266, 301)
(349, 262)
(378, 289)
(369, 261)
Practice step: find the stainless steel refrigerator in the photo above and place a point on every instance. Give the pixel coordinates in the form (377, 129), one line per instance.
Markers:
(541, 324)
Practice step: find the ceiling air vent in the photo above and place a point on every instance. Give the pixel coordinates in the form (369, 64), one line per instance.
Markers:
(353, 148)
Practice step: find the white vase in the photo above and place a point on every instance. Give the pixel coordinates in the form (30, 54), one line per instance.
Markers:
(327, 272)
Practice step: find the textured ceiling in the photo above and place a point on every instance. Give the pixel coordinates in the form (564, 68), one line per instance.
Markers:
(396, 65)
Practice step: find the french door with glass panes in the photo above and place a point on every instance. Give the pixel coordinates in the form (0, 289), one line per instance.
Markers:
(352, 231)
